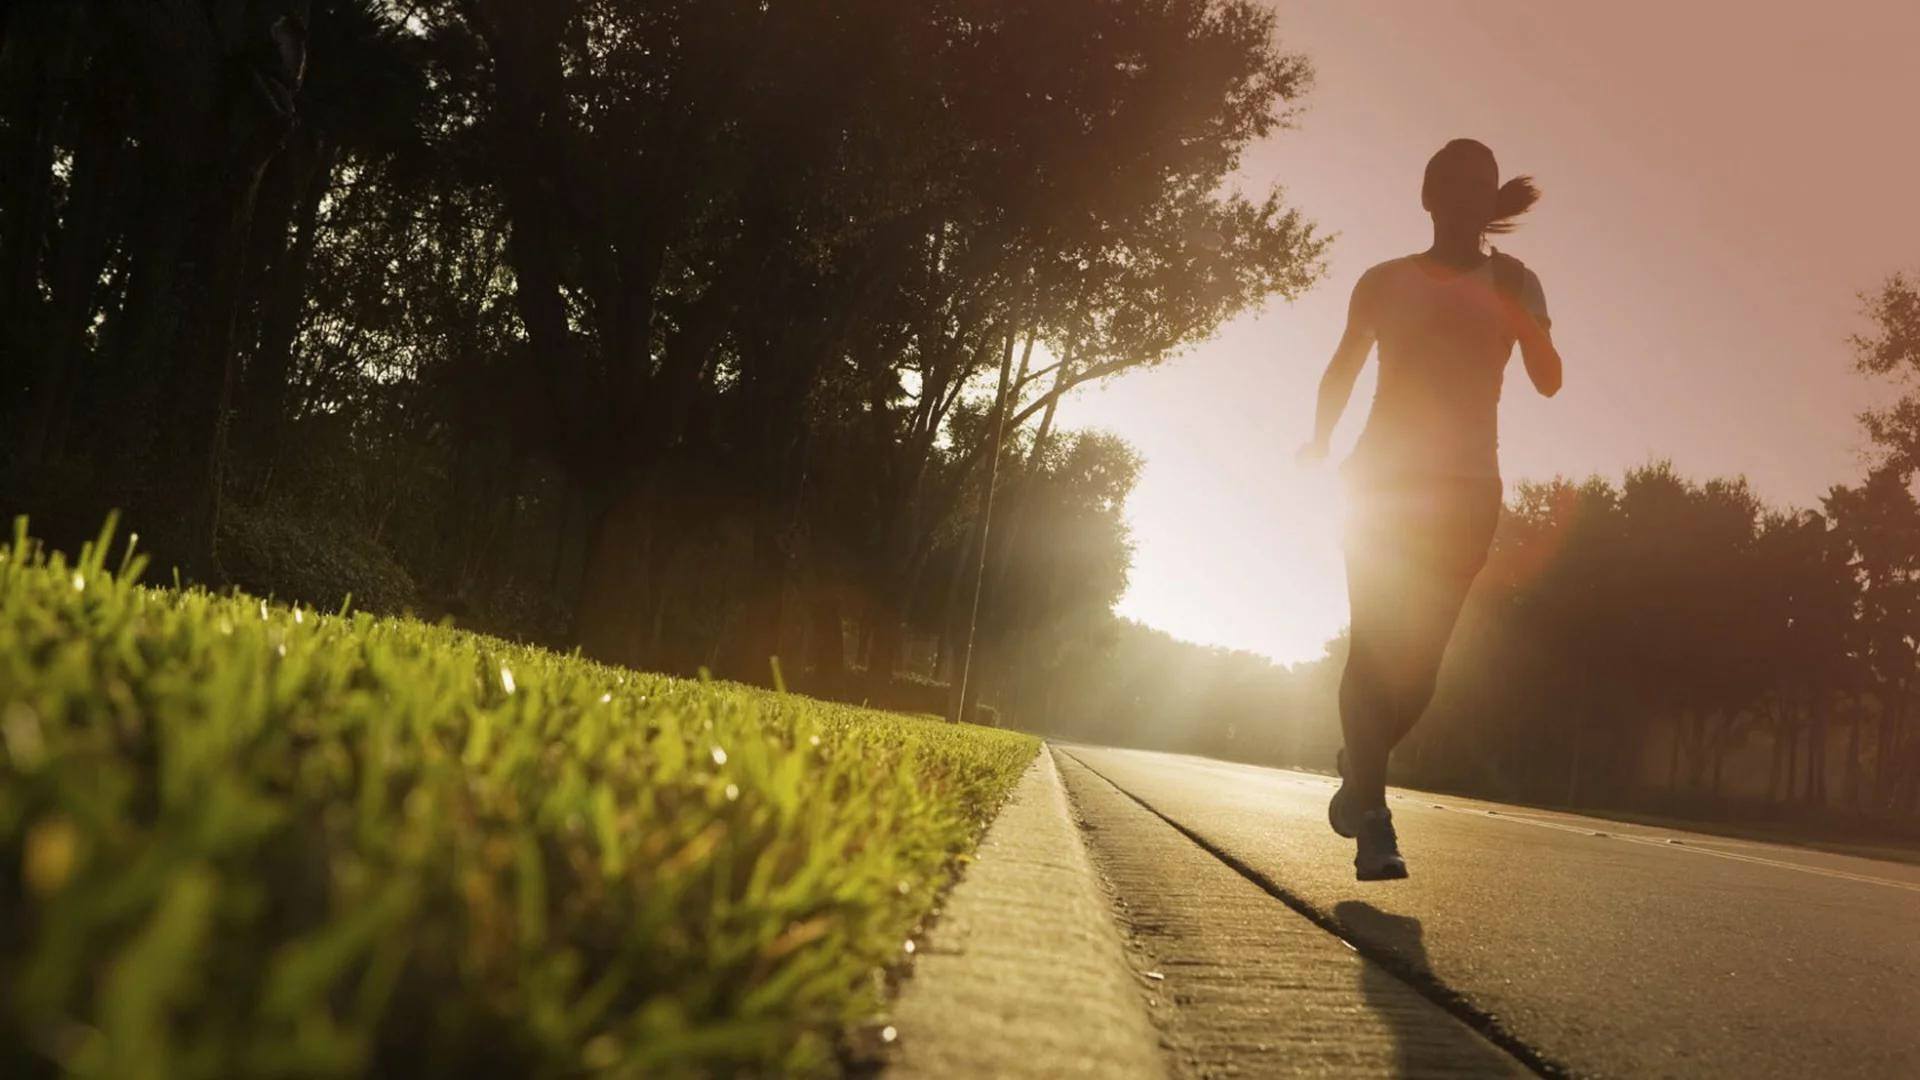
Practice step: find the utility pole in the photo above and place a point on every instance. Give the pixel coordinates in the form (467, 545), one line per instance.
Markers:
(963, 700)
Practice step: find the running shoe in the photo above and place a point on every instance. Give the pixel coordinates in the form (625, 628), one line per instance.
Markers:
(1379, 857)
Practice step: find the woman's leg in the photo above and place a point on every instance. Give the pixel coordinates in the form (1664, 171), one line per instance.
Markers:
(1429, 613)
(1410, 565)
(1369, 705)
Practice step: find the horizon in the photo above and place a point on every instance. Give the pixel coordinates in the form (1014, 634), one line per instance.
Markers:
(1709, 182)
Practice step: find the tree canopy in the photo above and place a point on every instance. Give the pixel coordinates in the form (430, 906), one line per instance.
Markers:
(666, 328)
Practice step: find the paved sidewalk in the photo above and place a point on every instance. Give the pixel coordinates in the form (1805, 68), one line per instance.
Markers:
(1024, 974)
(1248, 986)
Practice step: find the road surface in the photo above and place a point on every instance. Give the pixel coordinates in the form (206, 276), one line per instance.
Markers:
(1563, 944)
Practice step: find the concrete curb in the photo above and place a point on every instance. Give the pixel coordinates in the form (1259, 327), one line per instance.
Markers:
(1024, 975)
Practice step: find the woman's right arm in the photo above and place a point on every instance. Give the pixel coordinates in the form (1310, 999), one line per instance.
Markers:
(1336, 386)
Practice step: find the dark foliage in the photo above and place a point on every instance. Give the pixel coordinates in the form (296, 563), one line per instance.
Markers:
(665, 329)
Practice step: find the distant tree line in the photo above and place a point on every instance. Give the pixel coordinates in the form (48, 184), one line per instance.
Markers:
(672, 329)
(1631, 642)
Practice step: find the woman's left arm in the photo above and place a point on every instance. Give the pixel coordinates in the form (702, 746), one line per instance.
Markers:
(1534, 330)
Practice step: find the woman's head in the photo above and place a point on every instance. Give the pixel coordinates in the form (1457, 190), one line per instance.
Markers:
(1463, 187)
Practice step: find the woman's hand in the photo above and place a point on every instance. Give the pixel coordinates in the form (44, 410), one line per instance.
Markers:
(1313, 453)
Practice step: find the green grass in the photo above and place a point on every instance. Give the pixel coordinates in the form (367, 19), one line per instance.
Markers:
(240, 839)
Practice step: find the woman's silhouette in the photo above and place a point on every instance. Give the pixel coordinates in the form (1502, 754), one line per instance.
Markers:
(1423, 486)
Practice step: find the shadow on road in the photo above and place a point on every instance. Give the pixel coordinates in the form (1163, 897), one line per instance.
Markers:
(1421, 1049)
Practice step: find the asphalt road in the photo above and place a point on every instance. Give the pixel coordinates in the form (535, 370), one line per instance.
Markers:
(1580, 945)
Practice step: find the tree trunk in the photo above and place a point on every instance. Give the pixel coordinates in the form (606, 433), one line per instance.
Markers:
(1573, 770)
(756, 644)
(306, 170)
(969, 689)
(828, 641)
(199, 397)
(1817, 753)
(1911, 781)
(80, 262)
(1719, 749)
(1853, 753)
(208, 129)
(529, 90)
(889, 639)
(952, 615)
(1673, 754)
(1891, 720)
(1697, 723)
(1784, 760)
(612, 602)
(26, 194)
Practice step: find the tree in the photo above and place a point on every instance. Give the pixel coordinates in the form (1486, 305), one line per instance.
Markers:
(1881, 527)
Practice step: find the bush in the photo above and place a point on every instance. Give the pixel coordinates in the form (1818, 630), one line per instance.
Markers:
(277, 552)
(903, 693)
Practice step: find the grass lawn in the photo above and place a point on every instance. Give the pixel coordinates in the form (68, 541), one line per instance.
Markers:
(241, 839)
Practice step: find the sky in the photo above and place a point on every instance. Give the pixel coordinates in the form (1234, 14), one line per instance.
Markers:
(1722, 180)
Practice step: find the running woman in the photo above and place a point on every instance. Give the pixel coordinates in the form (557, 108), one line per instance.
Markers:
(1423, 486)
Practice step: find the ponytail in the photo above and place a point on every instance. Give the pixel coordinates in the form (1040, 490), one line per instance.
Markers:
(1517, 196)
